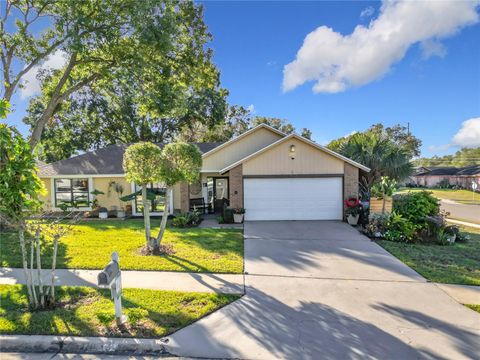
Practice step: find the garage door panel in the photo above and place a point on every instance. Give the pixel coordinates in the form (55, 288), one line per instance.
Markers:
(293, 199)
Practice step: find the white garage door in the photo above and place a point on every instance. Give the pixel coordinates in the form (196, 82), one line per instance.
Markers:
(293, 199)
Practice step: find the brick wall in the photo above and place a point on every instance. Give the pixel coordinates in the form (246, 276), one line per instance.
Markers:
(236, 186)
(184, 197)
(350, 181)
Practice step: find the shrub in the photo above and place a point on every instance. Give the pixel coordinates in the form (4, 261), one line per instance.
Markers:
(189, 219)
(377, 225)
(416, 206)
(462, 237)
(444, 238)
(443, 184)
(227, 215)
(399, 228)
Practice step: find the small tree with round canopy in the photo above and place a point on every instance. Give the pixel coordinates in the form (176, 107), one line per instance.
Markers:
(179, 162)
(141, 163)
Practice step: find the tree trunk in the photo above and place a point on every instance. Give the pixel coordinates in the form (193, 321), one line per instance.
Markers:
(39, 267)
(34, 292)
(146, 215)
(163, 223)
(384, 203)
(54, 265)
(54, 100)
(28, 279)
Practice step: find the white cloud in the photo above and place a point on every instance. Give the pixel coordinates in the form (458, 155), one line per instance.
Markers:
(31, 83)
(469, 134)
(432, 48)
(367, 12)
(251, 108)
(337, 62)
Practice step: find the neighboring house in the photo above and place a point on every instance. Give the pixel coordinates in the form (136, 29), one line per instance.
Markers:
(431, 176)
(272, 175)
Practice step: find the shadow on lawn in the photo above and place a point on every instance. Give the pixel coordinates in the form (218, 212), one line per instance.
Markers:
(46, 322)
(11, 254)
(64, 319)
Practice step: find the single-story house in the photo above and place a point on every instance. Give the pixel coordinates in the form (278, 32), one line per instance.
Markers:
(272, 175)
(431, 176)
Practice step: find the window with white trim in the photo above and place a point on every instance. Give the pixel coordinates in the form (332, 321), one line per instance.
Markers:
(157, 205)
(72, 192)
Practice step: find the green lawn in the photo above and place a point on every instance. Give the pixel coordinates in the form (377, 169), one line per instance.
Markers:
(474, 307)
(454, 264)
(91, 243)
(461, 196)
(85, 311)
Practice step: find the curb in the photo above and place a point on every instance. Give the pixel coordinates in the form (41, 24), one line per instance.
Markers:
(81, 345)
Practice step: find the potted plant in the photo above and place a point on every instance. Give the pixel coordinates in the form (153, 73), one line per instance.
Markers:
(352, 210)
(103, 213)
(238, 215)
(121, 213)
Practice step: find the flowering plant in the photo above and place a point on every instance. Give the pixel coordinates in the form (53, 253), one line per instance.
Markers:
(352, 206)
(352, 202)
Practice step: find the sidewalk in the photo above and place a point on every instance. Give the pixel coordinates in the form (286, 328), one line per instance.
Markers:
(464, 223)
(464, 294)
(159, 280)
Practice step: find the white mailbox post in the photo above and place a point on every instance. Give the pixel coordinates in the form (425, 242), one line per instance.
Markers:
(111, 277)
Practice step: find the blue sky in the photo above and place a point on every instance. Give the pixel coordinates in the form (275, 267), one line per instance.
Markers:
(253, 41)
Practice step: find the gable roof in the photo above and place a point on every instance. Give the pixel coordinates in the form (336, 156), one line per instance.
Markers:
(241, 136)
(305, 140)
(105, 161)
(449, 170)
(469, 170)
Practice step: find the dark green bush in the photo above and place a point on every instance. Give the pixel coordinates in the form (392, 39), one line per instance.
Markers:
(416, 206)
(399, 228)
(189, 219)
(228, 215)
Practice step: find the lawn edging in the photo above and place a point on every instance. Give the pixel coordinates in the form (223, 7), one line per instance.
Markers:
(81, 345)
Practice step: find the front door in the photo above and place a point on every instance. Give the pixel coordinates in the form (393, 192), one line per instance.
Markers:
(218, 193)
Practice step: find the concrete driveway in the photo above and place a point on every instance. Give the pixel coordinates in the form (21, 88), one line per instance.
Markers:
(319, 289)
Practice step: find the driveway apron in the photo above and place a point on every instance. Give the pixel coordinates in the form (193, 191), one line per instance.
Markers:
(321, 290)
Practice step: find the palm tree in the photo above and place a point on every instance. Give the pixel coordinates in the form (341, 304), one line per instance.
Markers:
(380, 154)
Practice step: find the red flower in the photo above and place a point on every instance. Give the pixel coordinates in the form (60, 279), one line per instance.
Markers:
(352, 202)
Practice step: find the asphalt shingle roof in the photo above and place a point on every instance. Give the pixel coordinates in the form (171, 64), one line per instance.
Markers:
(105, 161)
(450, 170)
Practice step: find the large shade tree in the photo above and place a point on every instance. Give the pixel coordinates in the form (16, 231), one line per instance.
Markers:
(96, 40)
(238, 119)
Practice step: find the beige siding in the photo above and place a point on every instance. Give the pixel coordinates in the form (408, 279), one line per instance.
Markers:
(110, 198)
(238, 150)
(308, 160)
(46, 198)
